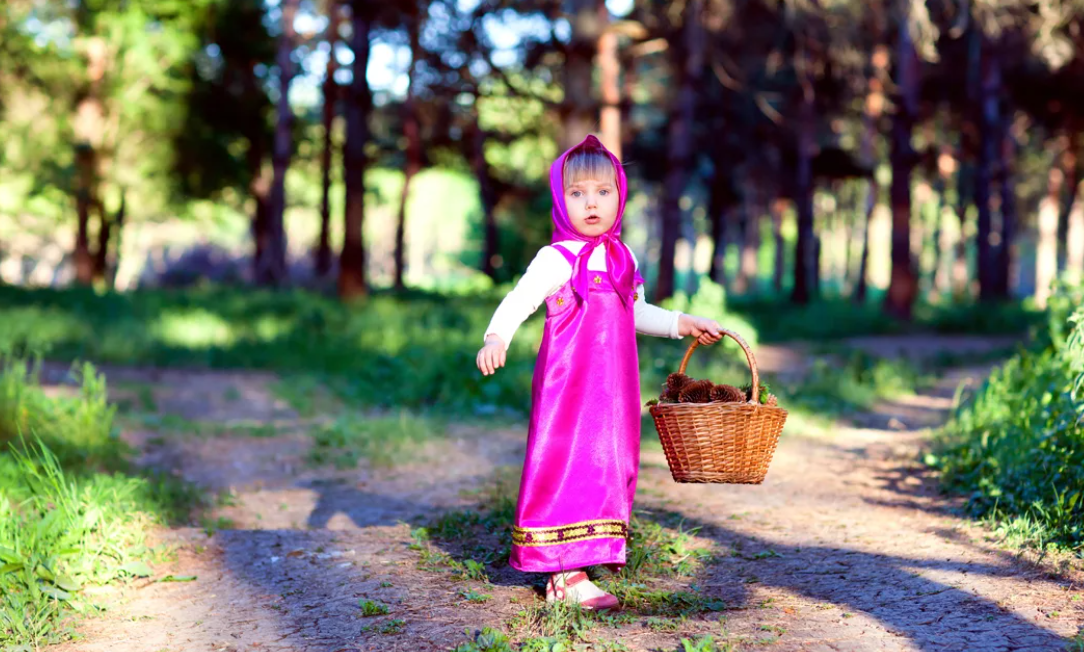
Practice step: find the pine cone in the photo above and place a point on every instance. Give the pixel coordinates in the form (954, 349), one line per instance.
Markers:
(772, 400)
(674, 383)
(727, 394)
(698, 391)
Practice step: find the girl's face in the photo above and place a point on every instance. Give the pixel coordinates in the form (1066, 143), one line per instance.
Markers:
(592, 205)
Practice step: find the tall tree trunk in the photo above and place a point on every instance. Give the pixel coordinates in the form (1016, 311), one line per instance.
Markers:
(805, 252)
(413, 153)
(352, 281)
(778, 206)
(271, 267)
(1046, 254)
(1008, 210)
(750, 242)
(903, 285)
(609, 66)
(331, 96)
(1073, 179)
(491, 254)
(579, 108)
(687, 64)
(101, 252)
(946, 165)
(720, 200)
(107, 255)
(89, 127)
(988, 161)
(965, 194)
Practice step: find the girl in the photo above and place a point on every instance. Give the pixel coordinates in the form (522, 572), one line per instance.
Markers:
(583, 445)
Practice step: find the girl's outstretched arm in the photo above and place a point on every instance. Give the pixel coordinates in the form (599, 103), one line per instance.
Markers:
(542, 278)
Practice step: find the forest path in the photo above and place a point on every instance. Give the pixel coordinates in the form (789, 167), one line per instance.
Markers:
(846, 546)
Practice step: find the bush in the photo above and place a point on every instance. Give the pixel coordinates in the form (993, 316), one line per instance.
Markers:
(1017, 446)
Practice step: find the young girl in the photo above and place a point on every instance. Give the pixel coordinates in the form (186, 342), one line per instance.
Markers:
(583, 445)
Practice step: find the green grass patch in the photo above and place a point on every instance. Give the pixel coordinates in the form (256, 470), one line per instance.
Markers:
(380, 440)
(1016, 446)
(70, 516)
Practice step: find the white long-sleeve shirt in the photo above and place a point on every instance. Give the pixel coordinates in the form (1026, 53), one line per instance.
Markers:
(544, 277)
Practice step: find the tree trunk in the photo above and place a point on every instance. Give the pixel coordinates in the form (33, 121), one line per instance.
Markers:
(89, 127)
(805, 252)
(903, 285)
(1073, 179)
(413, 153)
(271, 266)
(609, 66)
(965, 192)
(750, 243)
(101, 252)
(874, 109)
(1008, 211)
(946, 164)
(331, 95)
(491, 255)
(579, 108)
(1046, 254)
(719, 203)
(352, 282)
(687, 64)
(988, 162)
(778, 206)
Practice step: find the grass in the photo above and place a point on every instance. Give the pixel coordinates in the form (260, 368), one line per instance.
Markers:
(411, 350)
(1016, 446)
(475, 544)
(70, 517)
(381, 440)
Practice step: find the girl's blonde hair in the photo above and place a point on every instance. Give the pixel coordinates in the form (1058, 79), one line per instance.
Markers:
(588, 163)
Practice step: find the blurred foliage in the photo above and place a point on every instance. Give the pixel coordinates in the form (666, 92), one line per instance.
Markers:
(1015, 446)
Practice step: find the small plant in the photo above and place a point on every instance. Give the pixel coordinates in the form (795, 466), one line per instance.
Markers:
(372, 608)
(704, 644)
(471, 595)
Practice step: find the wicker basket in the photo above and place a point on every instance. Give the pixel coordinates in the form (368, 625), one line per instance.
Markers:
(719, 442)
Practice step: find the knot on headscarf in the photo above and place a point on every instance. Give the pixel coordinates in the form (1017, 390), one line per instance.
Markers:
(620, 266)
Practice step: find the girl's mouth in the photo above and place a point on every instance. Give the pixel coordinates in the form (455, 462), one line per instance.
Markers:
(592, 219)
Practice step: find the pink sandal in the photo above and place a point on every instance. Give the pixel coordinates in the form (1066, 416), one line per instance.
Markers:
(555, 593)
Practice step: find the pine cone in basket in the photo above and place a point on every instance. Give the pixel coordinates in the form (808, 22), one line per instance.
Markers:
(727, 394)
(674, 383)
(772, 400)
(698, 391)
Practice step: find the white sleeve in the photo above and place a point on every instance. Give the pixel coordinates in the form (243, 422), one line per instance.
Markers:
(545, 275)
(653, 320)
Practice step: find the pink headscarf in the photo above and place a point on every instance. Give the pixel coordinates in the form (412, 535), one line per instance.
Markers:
(619, 263)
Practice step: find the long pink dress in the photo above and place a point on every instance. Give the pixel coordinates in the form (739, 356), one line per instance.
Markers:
(583, 445)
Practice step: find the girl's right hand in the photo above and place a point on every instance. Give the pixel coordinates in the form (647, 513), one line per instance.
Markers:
(491, 357)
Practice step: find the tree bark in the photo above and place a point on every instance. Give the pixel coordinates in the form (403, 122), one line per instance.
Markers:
(491, 253)
(89, 127)
(719, 203)
(988, 162)
(609, 66)
(331, 96)
(903, 285)
(805, 252)
(1008, 211)
(579, 108)
(1073, 178)
(352, 281)
(687, 65)
(271, 266)
(778, 206)
(874, 109)
(413, 153)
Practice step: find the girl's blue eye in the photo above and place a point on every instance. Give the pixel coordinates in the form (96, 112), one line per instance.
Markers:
(604, 192)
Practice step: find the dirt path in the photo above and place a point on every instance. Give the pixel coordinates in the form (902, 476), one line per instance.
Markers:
(847, 546)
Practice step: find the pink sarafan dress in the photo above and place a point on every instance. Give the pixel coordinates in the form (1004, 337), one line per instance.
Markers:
(583, 445)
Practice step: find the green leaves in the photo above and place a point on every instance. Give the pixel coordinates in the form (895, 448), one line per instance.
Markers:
(1017, 446)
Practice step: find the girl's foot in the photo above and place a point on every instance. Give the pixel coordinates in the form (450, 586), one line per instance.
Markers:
(574, 587)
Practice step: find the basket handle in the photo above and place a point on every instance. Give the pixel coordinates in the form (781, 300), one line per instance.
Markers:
(755, 398)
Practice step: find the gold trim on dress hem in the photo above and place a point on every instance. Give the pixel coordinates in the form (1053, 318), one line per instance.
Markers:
(530, 537)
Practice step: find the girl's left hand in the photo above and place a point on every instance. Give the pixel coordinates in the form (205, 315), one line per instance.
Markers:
(708, 331)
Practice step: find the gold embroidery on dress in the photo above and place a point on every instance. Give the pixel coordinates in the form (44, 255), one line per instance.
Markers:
(580, 531)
